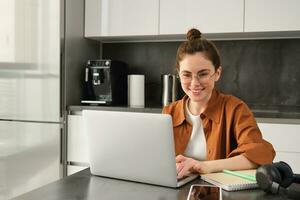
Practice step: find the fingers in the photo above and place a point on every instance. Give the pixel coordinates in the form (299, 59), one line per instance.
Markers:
(185, 168)
(179, 167)
(180, 164)
(180, 158)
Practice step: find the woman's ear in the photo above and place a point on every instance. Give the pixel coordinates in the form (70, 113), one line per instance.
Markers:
(218, 73)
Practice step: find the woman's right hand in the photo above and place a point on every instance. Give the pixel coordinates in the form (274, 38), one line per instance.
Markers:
(186, 166)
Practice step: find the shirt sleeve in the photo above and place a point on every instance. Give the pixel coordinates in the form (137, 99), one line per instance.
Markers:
(250, 142)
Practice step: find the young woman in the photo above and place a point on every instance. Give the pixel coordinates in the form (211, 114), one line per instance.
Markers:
(212, 131)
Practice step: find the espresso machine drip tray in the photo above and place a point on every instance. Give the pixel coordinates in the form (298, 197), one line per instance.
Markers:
(93, 102)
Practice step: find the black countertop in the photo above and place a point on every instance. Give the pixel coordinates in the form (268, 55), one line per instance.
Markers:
(288, 112)
(84, 186)
(285, 112)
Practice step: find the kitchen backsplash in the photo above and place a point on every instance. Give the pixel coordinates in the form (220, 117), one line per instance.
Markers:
(260, 72)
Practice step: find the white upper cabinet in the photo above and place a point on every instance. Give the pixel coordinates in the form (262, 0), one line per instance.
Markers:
(213, 16)
(121, 17)
(272, 15)
(164, 18)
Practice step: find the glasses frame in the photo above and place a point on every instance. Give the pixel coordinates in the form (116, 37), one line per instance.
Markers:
(198, 78)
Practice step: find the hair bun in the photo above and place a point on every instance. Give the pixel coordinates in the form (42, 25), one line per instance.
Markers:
(193, 34)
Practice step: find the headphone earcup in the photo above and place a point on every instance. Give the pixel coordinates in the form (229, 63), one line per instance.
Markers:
(268, 178)
(286, 173)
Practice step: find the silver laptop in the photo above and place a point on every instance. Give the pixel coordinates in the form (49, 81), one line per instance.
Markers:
(132, 146)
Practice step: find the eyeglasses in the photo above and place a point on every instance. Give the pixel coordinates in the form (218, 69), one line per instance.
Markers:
(202, 77)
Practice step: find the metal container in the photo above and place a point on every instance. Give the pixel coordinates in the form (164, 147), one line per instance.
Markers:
(169, 88)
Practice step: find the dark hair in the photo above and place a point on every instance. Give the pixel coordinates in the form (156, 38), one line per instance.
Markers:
(195, 43)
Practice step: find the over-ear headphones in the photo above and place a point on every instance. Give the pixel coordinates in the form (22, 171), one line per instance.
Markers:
(278, 178)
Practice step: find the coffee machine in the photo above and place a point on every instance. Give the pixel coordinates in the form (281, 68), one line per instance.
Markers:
(105, 82)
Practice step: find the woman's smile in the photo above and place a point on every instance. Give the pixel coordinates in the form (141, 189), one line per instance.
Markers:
(197, 91)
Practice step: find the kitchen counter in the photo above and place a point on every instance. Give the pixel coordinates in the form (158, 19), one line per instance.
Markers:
(271, 114)
(84, 186)
(72, 109)
(287, 112)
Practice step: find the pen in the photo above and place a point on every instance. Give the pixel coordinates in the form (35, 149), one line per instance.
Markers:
(239, 174)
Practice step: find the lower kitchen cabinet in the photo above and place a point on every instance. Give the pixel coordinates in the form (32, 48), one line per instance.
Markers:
(77, 147)
(283, 136)
(291, 158)
(285, 140)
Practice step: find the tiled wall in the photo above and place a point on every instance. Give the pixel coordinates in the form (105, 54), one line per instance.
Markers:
(261, 72)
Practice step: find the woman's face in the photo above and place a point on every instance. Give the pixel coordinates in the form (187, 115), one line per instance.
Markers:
(198, 76)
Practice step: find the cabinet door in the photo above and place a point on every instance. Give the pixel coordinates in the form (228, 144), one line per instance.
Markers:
(291, 158)
(214, 16)
(272, 15)
(284, 137)
(77, 142)
(285, 140)
(121, 17)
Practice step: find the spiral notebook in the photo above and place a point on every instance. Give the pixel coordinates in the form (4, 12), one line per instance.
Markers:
(230, 182)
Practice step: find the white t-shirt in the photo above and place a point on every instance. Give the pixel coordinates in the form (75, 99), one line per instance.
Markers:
(197, 145)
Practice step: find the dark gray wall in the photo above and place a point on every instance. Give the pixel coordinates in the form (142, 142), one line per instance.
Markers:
(77, 51)
(261, 72)
(150, 59)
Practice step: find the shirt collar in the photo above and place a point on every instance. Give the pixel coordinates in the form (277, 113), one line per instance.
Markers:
(179, 116)
(212, 110)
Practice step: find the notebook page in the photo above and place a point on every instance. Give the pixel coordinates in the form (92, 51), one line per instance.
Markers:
(229, 182)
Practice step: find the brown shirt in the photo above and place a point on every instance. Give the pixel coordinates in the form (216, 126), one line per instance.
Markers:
(229, 127)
